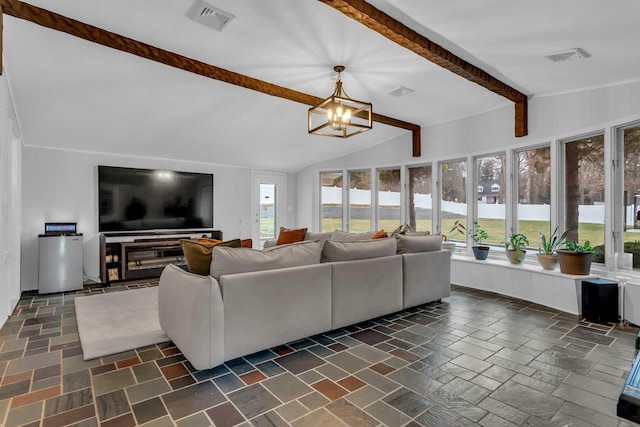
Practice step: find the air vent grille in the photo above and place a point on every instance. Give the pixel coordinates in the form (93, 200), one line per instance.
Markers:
(568, 55)
(401, 91)
(209, 15)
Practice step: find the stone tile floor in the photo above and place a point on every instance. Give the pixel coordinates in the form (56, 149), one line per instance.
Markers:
(476, 358)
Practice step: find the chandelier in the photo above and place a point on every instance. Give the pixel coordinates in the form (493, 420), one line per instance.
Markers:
(339, 115)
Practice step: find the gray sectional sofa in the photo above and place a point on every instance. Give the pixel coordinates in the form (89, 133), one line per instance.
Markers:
(254, 300)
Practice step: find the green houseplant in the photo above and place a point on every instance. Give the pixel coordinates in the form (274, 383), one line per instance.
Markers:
(547, 256)
(457, 228)
(516, 248)
(575, 258)
(480, 251)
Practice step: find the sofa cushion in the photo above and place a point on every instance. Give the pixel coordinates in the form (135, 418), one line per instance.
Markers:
(343, 236)
(346, 251)
(410, 243)
(310, 235)
(286, 236)
(243, 260)
(198, 253)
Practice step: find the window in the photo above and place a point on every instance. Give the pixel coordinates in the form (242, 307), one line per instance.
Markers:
(389, 199)
(491, 211)
(534, 194)
(584, 189)
(359, 201)
(453, 199)
(480, 189)
(331, 201)
(420, 209)
(631, 195)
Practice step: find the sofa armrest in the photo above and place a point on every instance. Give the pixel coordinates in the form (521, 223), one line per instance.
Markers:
(191, 313)
(426, 277)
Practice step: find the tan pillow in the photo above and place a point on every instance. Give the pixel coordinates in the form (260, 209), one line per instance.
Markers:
(198, 254)
(333, 251)
(410, 243)
(230, 261)
(290, 236)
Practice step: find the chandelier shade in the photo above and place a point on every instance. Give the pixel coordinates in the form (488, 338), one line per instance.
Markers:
(339, 115)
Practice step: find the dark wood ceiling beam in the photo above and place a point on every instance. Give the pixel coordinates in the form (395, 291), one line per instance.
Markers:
(97, 35)
(399, 33)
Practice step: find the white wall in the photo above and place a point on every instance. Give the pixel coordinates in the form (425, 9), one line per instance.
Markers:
(10, 150)
(62, 186)
(550, 118)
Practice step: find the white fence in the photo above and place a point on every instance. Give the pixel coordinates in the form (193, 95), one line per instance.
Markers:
(587, 213)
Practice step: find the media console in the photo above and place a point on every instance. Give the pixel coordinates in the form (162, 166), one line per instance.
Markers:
(143, 258)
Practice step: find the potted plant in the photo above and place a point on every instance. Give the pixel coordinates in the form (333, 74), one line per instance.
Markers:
(575, 258)
(547, 256)
(480, 251)
(516, 248)
(458, 228)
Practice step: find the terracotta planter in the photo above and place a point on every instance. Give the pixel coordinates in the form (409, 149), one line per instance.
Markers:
(516, 257)
(548, 262)
(578, 263)
(480, 252)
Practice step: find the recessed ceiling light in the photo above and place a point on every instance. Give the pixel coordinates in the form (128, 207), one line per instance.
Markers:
(401, 91)
(568, 55)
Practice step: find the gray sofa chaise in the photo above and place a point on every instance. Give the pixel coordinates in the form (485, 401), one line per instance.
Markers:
(254, 300)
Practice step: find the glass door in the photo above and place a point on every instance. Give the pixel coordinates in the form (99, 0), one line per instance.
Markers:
(268, 207)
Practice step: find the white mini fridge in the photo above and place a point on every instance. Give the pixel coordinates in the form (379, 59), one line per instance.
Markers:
(60, 263)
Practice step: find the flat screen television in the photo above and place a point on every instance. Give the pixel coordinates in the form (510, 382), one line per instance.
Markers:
(138, 200)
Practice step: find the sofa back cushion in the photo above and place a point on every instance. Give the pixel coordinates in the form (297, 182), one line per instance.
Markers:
(333, 251)
(310, 235)
(197, 254)
(343, 236)
(243, 260)
(410, 243)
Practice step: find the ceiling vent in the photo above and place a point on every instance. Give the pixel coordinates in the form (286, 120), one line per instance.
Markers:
(209, 15)
(568, 55)
(401, 91)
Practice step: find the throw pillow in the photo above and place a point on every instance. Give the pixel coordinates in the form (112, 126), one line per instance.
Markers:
(380, 235)
(230, 261)
(198, 254)
(210, 241)
(246, 243)
(290, 236)
(333, 251)
(410, 243)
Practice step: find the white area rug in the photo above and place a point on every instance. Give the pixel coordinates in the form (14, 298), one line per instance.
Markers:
(118, 321)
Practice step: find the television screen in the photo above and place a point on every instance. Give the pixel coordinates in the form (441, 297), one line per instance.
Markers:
(146, 199)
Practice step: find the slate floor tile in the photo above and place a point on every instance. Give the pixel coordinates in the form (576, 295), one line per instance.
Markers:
(299, 361)
(286, 387)
(225, 415)
(192, 399)
(253, 400)
(370, 336)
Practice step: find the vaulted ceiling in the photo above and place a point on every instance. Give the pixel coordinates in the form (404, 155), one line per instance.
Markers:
(74, 94)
